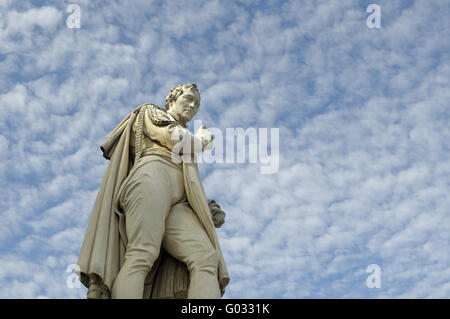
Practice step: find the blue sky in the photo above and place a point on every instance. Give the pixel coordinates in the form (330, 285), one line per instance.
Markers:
(363, 117)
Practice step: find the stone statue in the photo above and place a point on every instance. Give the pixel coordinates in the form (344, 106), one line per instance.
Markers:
(152, 231)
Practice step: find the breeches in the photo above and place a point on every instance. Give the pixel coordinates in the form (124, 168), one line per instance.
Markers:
(157, 214)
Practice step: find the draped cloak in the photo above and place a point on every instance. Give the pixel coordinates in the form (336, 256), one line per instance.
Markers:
(104, 246)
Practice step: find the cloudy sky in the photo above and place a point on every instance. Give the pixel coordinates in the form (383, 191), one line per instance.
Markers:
(363, 117)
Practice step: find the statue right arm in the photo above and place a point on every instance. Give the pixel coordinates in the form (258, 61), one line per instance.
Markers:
(173, 134)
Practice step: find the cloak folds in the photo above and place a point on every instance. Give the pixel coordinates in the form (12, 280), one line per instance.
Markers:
(104, 246)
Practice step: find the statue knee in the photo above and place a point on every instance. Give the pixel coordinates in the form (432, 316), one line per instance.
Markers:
(205, 261)
(142, 259)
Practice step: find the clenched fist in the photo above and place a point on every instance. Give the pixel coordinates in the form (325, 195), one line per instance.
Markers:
(217, 214)
(206, 137)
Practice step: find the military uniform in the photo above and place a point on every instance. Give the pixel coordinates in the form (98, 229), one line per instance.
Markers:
(157, 213)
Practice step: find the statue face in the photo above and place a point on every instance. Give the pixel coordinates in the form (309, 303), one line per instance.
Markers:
(186, 105)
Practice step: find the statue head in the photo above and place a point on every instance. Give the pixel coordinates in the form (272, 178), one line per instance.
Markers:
(183, 101)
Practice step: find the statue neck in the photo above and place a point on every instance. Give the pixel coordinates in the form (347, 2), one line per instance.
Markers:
(176, 117)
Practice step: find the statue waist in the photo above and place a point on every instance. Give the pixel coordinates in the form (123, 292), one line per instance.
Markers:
(173, 158)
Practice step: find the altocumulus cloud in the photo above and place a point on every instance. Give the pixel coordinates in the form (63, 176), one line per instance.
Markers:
(363, 117)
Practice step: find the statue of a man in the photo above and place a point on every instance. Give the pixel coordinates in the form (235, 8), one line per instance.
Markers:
(151, 233)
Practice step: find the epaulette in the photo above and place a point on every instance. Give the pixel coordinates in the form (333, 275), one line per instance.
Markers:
(158, 115)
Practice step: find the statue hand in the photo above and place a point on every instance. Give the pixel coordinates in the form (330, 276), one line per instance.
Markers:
(217, 214)
(206, 137)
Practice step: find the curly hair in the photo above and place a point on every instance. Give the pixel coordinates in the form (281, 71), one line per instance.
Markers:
(177, 91)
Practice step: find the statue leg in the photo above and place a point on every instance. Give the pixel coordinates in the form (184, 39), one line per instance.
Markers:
(186, 240)
(146, 200)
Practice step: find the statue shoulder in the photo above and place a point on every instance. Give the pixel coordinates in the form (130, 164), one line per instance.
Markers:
(158, 115)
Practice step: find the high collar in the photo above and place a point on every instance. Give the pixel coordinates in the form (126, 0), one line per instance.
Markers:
(176, 118)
